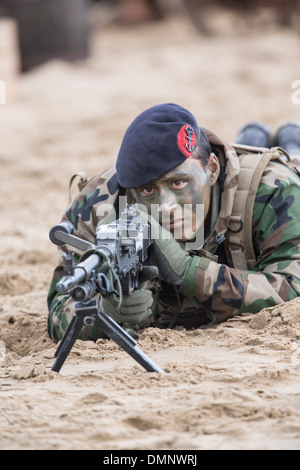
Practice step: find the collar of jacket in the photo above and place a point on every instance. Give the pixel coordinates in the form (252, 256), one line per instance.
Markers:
(228, 183)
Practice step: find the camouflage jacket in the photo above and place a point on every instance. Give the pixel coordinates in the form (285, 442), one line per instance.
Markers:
(213, 289)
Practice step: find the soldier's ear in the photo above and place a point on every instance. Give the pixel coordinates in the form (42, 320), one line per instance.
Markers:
(213, 168)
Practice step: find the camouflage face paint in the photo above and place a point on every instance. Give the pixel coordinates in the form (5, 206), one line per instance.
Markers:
(176, 197)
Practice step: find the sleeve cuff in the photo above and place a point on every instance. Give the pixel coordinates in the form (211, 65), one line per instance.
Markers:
(187, 286)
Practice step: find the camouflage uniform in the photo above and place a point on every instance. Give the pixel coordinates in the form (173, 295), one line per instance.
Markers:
(213, 289)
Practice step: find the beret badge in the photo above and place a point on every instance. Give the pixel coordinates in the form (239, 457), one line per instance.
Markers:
(186, 140)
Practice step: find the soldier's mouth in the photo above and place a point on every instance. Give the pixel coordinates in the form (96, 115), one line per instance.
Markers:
(176, 223)
(173, 223)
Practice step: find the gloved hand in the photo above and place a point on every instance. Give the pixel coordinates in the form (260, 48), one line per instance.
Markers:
(167, 254)
(134, 308)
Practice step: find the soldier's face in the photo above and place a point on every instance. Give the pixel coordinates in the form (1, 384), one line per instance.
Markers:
(180, 200)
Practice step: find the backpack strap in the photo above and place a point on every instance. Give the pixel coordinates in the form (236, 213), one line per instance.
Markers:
(81, 184)
(239, 234)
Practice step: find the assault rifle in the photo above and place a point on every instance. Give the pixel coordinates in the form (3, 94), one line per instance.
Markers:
(121, 246)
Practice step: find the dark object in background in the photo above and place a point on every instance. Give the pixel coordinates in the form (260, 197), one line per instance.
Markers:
(55, 29)
(287, 12)
(139, 11)
(255, 134)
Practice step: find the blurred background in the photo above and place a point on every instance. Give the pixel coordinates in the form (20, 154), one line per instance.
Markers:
(77, 72)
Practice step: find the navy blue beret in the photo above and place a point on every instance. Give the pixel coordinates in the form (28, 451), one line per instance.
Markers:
(158, 140)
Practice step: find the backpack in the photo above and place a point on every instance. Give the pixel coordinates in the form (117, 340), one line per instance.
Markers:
(253, 162)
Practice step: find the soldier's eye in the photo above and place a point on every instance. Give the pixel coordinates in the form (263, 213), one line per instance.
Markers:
(178, 184)
(147, 191)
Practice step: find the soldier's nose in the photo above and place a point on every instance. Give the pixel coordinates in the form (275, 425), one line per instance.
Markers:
(167, 202)
(167, 207)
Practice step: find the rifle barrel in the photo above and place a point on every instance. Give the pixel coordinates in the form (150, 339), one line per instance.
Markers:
(82, 272)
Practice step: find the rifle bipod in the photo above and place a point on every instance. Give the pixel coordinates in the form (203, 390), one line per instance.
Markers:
(89, 314)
